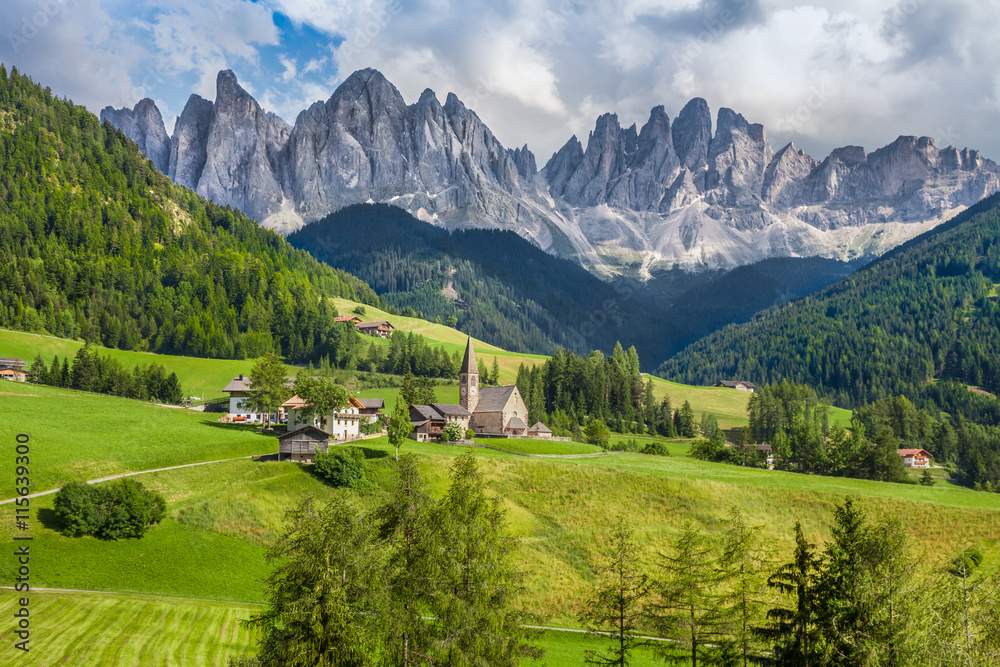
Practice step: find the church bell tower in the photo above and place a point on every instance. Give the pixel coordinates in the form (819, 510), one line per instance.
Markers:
(468, 380)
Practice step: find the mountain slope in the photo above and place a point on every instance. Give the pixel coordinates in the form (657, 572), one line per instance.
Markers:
(505, 290)
(632, 201)
(927, 311)
(96, 243)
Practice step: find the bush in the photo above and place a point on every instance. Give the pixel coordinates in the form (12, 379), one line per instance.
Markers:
(630, 445)
(76, 508)
(342, 467)
(470, 434)
(708, 450)
(451, 432)
(656, 449)
(124, 508)
(597, 433)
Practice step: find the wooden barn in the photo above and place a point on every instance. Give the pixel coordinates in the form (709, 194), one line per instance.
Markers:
(302, 444)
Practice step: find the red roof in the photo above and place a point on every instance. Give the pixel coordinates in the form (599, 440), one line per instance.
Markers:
(918, 453)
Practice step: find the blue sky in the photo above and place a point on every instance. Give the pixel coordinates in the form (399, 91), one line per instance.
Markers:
(824, 73)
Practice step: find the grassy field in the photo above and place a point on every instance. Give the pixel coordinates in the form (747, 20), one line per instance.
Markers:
(79, 436)
(125, 631)
(728, 405)
(120, 630)
(547, 447)
(450, 339)
(200, 378)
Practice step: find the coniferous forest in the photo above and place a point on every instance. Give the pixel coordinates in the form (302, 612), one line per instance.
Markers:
(95, 243)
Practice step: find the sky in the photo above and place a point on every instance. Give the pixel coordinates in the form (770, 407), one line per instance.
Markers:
(822, 74)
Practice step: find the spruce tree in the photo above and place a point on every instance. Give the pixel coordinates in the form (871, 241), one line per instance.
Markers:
(743, 561)
(793, 632)
(615, 609)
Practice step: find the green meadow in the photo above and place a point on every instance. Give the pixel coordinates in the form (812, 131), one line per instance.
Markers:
(77, 435)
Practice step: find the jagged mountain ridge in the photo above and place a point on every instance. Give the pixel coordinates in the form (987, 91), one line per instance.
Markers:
(668, 194)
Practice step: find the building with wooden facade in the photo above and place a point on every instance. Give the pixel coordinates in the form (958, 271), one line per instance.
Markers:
(381, 329)
(916, 458)
(302, 444)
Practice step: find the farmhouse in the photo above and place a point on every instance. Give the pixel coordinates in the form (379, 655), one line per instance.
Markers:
(239, 391)
(13, 369)
(381, 329)
(302, 444)
(372, 408)
(343, 424)
(916, 458)
(429, 420)
(353, 319)
(738, 385)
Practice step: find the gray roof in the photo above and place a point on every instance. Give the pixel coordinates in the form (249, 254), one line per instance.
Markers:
(306, 433)
(469, 364)
(517, 422)
(451, 410)
(425, 411)
(493, 399)
(539, 427)
(242, 383)
(373, 403)
(733, 383)
(372, 325)
(9, 362)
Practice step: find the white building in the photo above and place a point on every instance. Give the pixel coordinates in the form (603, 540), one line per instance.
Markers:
(239, 391)
(344, 424)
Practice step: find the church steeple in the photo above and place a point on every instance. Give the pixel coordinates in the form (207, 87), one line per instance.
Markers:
(468, 379)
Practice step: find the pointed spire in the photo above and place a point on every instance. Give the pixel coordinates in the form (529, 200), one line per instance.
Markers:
(469, 364)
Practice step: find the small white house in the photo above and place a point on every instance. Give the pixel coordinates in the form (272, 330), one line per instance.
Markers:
(239, 391)
(916, 458)
(344, 424)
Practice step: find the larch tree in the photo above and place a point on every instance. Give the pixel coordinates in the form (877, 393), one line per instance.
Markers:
(615, 609)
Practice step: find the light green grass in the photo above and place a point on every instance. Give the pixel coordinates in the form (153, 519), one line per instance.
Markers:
(450, 339)
(201, 378)
(548, 447)
(444, 394)
(125, 631)
(76, 435)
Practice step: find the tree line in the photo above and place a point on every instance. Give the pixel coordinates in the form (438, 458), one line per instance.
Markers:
(89, 371)
(791, 419)
(862, 600)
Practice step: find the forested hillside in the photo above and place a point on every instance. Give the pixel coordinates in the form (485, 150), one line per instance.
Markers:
(95, 243)
(926, 311)
(504, 290)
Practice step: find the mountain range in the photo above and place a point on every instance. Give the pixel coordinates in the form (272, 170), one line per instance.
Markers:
(672, 194)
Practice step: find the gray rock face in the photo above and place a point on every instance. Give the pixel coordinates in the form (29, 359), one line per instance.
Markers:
(189, 146)
(631, 200)
(143, 125)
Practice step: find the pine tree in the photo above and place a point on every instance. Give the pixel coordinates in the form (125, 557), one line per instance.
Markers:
(796, 639)
(477, 580)
(743, 561)
(685, 606)
(326, 597)
(616, 606)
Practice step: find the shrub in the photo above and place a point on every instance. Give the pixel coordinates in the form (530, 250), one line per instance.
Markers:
(630, 445)
(77, 510)
(597, 433)
(470, 434)
(656, 449)
(708, 450)
(124, 508)
(342, 467)
(451, 432)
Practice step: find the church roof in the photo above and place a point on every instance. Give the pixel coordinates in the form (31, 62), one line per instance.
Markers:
(469, 364)
(516, 423)
(451, 410)
(493, 399)
(539, 427)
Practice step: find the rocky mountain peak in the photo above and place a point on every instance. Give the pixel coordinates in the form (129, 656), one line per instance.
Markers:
(143, 124)
(692, 132)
